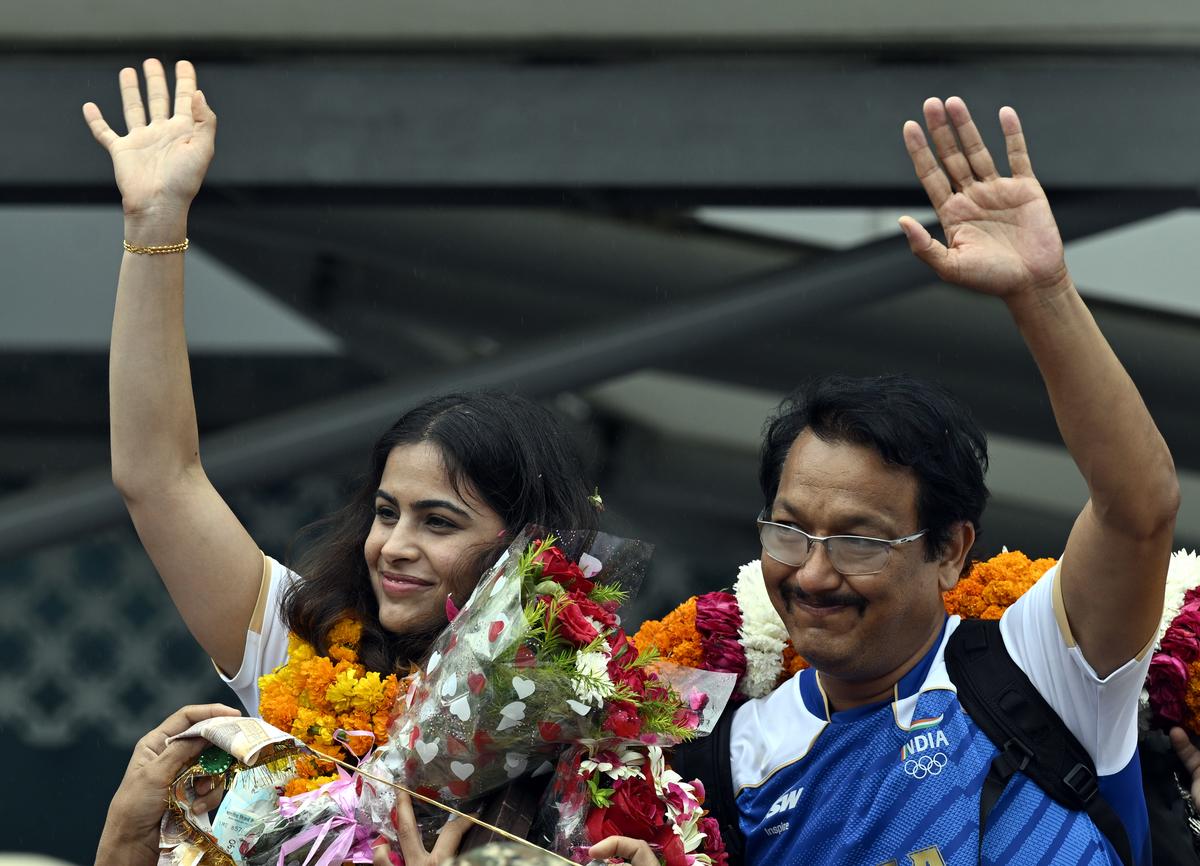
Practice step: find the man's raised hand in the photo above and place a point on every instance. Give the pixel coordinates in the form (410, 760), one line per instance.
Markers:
(1001, 238)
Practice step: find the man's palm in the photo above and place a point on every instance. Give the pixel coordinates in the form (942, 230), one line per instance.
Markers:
(1001, 238)
(1001, 234)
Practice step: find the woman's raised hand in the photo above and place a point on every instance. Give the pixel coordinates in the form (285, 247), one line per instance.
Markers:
(160, 164)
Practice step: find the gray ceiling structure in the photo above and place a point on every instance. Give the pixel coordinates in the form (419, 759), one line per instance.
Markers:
(526, 220)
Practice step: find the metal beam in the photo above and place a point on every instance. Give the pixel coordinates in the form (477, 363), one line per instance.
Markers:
(799, 128)
(293, 440)
(411, 25)
(307, 436)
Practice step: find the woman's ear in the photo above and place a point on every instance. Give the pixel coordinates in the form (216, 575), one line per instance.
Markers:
(954, 555)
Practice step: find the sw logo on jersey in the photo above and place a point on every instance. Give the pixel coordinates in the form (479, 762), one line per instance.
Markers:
(785, 803)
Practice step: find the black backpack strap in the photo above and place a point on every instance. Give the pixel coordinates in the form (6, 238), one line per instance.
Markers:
(1031, 737)
(707, 759)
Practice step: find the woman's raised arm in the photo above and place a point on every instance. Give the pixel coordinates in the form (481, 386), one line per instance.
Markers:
(209, 563)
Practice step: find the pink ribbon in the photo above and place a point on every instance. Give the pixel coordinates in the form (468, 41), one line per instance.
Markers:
(352, 841)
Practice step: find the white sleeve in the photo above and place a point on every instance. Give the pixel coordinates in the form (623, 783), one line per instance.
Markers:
(1101, 713)
(267, 637)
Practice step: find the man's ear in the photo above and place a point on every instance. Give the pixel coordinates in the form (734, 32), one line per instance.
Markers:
(954, 555)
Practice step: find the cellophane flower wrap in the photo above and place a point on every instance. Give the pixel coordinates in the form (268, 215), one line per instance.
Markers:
(619, 782)
(520, 671)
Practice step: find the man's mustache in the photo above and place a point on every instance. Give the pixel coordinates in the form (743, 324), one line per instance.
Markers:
(794, 594)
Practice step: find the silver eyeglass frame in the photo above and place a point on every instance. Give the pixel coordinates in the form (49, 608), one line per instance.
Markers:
(891, 544)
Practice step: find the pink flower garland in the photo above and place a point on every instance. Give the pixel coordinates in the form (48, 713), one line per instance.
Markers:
(1167, 681)
(718, 619)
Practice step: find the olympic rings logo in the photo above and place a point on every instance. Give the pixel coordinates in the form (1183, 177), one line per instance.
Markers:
(926, 765)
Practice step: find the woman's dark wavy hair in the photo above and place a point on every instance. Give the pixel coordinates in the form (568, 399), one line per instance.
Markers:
(512, 453)
(908, 422)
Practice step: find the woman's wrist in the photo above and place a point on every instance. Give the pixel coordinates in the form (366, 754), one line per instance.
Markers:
(155, 228)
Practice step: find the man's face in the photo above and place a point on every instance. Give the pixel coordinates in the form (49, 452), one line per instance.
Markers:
(862, 627)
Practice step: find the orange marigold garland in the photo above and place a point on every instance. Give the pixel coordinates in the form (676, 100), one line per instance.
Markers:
(793, 662)
(1191, 698)
(314, 697)
(674, 636)
(992, 586)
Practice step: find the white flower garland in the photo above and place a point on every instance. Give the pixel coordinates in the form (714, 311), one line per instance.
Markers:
(762, 634)
(1182, 574)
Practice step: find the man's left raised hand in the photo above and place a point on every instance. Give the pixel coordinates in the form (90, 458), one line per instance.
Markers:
(1001, 238)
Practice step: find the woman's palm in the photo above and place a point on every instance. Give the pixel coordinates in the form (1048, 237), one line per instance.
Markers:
(160, 164)
(161, 161)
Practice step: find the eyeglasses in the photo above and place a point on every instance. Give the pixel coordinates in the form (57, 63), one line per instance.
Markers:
(852, 555)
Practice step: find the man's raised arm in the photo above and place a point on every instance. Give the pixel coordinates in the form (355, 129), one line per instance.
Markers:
(1001, 239)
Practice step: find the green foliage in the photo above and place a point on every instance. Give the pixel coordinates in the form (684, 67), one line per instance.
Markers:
(659, 717)
(602, 593)
(601, 797)
(528, 568)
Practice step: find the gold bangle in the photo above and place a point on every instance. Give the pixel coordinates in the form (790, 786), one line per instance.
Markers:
(156, 250)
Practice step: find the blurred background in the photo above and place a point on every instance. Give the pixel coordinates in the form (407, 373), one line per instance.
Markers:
(655, 217)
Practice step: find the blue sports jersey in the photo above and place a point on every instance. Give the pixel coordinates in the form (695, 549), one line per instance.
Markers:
(899, 783)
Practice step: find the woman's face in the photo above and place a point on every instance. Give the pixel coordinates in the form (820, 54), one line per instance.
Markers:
(424, 535)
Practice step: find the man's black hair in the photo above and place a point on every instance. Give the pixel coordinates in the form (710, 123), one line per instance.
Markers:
(908, 422)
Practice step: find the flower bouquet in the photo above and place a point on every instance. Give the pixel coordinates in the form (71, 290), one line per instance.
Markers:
(629, 789)
(535, 666)
(522, 671)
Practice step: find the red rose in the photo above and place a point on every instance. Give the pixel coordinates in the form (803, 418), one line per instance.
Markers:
(714, 846)
(621, 658)
(672, 849)
(574, 626)
(655, 689)
(635, 812)
(562, 571)
(622, 720)
(594, 611)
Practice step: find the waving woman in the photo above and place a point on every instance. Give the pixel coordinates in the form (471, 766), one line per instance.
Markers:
(444, 485)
